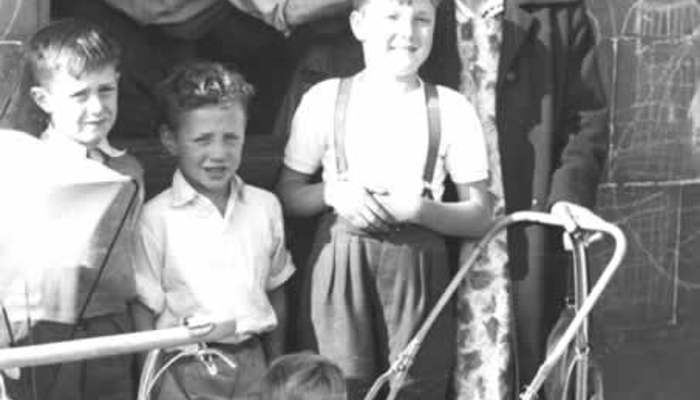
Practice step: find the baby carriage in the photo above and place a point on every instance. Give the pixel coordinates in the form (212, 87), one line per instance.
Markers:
(574, 375)
(157, 362)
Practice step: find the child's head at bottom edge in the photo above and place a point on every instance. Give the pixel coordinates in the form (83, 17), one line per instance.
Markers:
(303, 376)
(204, 107)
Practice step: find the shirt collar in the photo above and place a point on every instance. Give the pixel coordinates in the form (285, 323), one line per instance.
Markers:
(76, 149)
(183, 193)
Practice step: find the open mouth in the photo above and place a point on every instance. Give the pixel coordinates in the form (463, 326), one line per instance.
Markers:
(216, 172)
(97, 122)
(410, 48)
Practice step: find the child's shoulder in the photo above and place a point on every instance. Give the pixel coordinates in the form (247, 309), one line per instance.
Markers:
(454, 103)
(450, 95)
(324, 89)
(258, 196)
(129, 165)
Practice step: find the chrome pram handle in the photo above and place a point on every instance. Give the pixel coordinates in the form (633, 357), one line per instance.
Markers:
(405, 359)
(151, 374)
(585, 308)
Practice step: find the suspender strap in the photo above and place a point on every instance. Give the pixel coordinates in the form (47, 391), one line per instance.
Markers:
(434, 132)
(341, 106)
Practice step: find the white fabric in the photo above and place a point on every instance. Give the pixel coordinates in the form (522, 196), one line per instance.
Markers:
(49, 213)
(191, 261)
(387, 138)
(72, 148)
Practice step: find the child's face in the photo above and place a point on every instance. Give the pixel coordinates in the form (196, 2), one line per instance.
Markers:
(396, 35)
(82, 108)
(208, 143)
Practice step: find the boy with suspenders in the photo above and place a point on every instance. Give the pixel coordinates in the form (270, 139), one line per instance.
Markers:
(386, 141)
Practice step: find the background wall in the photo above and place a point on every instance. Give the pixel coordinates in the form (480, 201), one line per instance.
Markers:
(18, 19)
(647, 328)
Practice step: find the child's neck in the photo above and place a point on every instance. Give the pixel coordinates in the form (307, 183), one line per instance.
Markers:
(388, 84)
(221, 199)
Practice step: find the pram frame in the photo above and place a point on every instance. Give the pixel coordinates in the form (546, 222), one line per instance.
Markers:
(577, 329)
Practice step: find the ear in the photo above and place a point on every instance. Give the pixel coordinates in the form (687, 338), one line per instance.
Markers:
(168, 139)
(357, 24)
(42, 98)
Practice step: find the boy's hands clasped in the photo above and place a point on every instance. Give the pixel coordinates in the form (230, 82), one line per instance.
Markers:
(372, 210)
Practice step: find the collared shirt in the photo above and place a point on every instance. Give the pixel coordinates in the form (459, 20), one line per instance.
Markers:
(193, 262)
(59, 292)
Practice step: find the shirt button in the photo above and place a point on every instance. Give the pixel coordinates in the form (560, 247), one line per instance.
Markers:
(510, 76)
(535, 203)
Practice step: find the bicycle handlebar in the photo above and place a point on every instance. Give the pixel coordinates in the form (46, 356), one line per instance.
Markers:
(405, 358)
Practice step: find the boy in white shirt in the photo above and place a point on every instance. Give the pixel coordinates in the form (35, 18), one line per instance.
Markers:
(75, 80)
(212, 246)
(385, 140)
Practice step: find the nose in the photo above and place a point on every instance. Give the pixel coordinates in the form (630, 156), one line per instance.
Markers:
(404, 26)
(218, 151)
(94, 104)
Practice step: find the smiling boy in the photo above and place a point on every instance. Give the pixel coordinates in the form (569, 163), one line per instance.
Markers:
(385, 140)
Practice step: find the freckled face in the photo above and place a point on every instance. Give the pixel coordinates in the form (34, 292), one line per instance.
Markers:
(84, 108)
(208, 143)
(396, 35)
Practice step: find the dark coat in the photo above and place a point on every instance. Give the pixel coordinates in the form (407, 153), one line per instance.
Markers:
(551, 115)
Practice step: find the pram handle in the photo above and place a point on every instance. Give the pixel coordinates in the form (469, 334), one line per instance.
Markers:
(585, 308)
(80, 349)
(405, 359)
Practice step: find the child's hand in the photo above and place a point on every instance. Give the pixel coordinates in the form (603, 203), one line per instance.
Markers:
(357, 205)
(401, 207)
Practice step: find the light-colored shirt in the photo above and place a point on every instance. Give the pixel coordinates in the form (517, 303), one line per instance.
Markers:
(191, 261)
(281, 14)
(387, 138)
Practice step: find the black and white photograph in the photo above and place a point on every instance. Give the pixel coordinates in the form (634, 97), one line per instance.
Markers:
(349, 199)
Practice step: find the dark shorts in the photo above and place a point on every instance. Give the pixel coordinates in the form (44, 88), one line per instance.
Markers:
(365, 296)
(189, 379)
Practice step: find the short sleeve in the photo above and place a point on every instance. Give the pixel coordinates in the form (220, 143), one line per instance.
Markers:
(281, 265)
(466, 160)
(308, 139)
(148, 268)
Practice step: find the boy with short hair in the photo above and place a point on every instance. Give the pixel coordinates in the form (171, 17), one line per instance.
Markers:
(75, 70)
(386, 140)
(212, 246)
(303, 376)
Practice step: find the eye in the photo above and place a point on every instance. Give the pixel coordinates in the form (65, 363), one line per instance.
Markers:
(80, 96)
(231, 138)
(423, 19)
(202, 140)
(108, 89)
